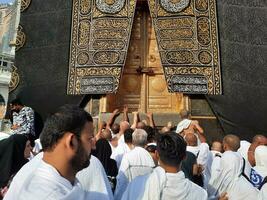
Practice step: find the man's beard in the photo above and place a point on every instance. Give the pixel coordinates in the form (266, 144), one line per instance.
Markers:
(81, 159)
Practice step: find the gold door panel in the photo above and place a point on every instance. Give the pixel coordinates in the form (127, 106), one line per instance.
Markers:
(143, 86)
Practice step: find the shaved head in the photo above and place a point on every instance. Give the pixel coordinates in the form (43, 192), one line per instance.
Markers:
(191, 139)
(231, 143)
(217, 146)
(165, 129)
(259, 140)
(141, 125)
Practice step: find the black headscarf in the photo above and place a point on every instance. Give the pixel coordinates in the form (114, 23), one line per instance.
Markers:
(11, 156)
(103, 153)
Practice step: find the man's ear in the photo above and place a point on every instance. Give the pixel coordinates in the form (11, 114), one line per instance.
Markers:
(71, 141)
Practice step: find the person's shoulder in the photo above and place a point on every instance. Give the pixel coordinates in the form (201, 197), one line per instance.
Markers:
(199, 190)
(194, 122)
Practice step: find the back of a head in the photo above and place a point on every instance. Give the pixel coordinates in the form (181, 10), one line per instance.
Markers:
(171, 148)
(191, 139)
(165, 129)
(184, 114)
(231, 142)
(139, 137)
(140, 125)
(150, 133)
(128, 135)
(259, 140)
(69, 118)
(217, 146)
(115, 128)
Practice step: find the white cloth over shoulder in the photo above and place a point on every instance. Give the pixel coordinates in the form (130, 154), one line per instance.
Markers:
(135, 163)
(22, 184)
(261, 160)
(119, 152)
(163, 186)
(230, 179)
(94, 179)
(243, 150)
(37, 146)
(184, 124)
(263, 192)
(45, 183)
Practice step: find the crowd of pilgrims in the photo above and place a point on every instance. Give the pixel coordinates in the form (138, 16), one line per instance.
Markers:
(134, 161)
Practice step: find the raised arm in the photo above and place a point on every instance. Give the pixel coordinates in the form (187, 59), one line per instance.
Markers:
(150, 119)
(112, 118)
(125, 113)
(135, 120)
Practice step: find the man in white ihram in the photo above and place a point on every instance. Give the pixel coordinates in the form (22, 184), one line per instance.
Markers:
(167, 181)
(66, 139)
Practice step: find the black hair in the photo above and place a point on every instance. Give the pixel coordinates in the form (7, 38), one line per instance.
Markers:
(16, 101)
(151, 133)
(171, 148)
(69, 118)
(128, 135)
(151, 148)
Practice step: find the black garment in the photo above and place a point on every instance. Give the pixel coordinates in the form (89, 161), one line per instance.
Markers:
(187, 165)
(11, 156)
(103, 153)
(187, 168)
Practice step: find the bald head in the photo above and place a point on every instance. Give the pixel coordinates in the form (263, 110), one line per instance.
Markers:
(217, 146)
(140, 125)
(115, 128)
(191, 139)
(259, 140)
(231, 143)
(165, 129)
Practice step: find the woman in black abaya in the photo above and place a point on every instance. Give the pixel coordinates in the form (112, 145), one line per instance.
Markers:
(103, 153)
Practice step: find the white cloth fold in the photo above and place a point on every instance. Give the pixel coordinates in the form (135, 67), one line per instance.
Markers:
(184, 124)
(230, 179)
(261, 160)
(135, 163)
(243, 150)
(263, 193)
(160, 185)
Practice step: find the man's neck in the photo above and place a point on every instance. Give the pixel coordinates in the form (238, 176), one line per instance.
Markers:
(170, 169)
(130, 145)
(62, 167)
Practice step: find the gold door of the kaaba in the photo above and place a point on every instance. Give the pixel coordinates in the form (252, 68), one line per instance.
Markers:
(143, 86)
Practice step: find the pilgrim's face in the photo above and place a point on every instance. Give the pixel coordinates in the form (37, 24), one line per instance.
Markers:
(82, 157)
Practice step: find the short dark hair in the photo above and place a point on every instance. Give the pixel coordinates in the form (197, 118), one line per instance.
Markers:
(151, 133)
(16, 101)
(69, 118)
(171, 148)
(128, 135)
